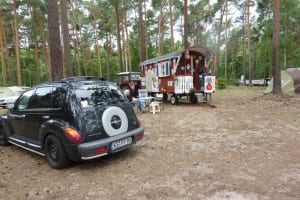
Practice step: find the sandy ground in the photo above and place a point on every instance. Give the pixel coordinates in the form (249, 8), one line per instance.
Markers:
(248, 147)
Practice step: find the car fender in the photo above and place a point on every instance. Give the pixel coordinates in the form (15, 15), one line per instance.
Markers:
(5, 124)
(54, 127)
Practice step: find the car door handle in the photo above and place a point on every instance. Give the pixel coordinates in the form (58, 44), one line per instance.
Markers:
(45, 117)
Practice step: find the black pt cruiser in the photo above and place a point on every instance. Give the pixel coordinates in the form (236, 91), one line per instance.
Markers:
(77, 118)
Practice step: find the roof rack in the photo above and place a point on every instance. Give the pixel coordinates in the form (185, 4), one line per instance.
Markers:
(81, 78)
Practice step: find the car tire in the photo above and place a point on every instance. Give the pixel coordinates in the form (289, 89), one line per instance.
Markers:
(174, 99)
(55, 153)
(3, 138)
(114, 121)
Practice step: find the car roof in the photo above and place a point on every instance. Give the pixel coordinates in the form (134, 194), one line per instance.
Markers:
(75, 81)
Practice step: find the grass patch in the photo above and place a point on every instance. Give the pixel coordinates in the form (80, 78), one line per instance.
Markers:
(2, 185)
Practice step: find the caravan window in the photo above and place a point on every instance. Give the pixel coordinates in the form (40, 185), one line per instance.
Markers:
(163, 69)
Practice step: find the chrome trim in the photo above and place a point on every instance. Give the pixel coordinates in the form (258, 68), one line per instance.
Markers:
(17, 116)
(17, 140)
(39, 153)
(24, 142)
(92, 157)
(33, 145)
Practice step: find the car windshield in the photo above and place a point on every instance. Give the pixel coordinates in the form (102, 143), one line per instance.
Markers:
(99, 94)
(135, 76)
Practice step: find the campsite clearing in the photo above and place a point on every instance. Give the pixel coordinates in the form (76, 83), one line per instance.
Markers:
(247, 147)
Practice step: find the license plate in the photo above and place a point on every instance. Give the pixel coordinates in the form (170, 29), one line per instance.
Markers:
(120, 143)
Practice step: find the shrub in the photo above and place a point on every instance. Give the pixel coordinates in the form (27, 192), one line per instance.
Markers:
(221, 83)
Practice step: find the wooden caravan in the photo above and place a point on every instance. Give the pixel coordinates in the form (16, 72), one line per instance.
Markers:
(182, 73)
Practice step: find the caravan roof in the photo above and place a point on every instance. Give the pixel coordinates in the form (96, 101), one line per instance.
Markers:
(202, 50)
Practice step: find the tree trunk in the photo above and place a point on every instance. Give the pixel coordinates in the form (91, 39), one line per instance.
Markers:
(160, 32)
(45, 49)
(248, 29)
(54, 40)
(36, 52)
(107, 48)
(171, 24)
(217, 62)
(66, 38)
(127, 42)
(117, 21)
(146, 36)
(97, 50)
(37, 60)
(244, 47)
(85, 58)
(2, 53)
(76, 28)
(141, 31)
(276, 49)
(185, 25)
(19, 73)
(225, 48)
(8, 61)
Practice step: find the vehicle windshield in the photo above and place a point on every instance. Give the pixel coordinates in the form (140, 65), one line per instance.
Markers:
(99, 94)
(135, 77)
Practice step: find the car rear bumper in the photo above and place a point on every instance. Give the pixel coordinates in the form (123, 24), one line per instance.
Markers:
(102, 147)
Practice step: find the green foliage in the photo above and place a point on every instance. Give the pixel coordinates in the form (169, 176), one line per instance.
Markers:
(90, 17)
(221, 83)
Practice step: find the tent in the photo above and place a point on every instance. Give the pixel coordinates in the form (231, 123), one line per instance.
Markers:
(290, 81)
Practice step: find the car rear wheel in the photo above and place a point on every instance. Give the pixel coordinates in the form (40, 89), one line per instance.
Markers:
(3, 138)
(55, 153)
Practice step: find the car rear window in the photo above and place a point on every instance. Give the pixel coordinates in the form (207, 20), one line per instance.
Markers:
(99, 94)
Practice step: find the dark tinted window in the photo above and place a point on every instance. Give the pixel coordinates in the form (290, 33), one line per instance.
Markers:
(46, 97)
(57, 97)
(24, 100)
(41, 98)
(98, 94)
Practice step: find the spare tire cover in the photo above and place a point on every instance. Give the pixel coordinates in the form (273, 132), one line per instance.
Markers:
(114, 121)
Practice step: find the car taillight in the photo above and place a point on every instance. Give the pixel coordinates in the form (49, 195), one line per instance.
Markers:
(138, 137)
(72, 134)
(101, 150)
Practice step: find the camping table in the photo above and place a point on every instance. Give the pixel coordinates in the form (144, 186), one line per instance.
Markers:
(146, 101)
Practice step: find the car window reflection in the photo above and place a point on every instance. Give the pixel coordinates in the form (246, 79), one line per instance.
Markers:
(95, 95)
(24, 99)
